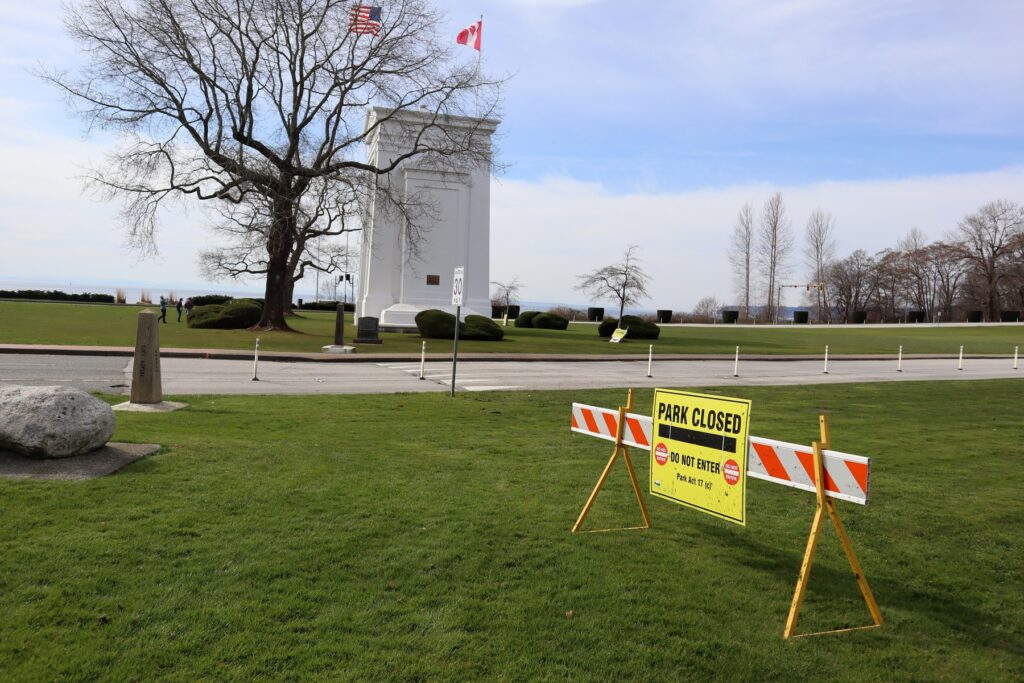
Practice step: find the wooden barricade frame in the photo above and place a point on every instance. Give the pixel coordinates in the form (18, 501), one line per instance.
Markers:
(827, 504)
(620, 448)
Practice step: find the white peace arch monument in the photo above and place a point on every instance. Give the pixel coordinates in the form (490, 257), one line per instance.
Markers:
(396, 281)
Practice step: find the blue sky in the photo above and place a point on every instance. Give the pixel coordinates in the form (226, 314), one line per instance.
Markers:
(645, 123)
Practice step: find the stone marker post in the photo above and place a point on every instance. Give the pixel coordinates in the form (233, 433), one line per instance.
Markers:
(146, 384)
(339, 326)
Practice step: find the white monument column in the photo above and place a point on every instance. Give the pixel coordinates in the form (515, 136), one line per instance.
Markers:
(401, 274)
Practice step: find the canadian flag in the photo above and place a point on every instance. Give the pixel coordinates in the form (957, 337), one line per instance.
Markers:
(470, 36)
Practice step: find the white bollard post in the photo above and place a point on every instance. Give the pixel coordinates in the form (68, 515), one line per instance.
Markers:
(899, 360)
(826, 359)
(1015, 348)
(960, 363)
(736, 364)
(256, 361)
(650, 357)
(423, 358)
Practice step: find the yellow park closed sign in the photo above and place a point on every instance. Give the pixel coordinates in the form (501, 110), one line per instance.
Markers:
(699, 452)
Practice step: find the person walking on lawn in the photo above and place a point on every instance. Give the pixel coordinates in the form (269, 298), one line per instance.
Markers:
(163, 309)
(181, 305)
(188, 307)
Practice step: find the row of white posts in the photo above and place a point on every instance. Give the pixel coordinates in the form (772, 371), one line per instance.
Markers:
(736, 363)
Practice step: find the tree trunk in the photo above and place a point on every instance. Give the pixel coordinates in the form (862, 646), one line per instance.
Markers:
(289, 295)
(279, 245)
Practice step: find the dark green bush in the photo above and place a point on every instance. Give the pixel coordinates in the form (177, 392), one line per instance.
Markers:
(436, 324)
(525, 319)
(208, 299)
(55, 295)
(550, 321)
(236, 314)
(638, 327)
(607, 326)
(480, 328)
(326, 306)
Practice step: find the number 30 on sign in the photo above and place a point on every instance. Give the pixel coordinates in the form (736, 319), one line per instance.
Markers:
(699, 452)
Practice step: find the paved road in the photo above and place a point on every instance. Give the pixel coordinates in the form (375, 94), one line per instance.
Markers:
(206, 376)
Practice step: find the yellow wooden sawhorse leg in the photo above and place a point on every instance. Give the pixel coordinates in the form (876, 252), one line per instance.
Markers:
(619, 448)
(826, 504)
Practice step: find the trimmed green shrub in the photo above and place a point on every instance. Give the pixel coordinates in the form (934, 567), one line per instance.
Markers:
(525, 319)
(55, 295)
(638, 327)
(209, 299)
(607, 326)
(550, 321)
(480, 328)
(435, 324)
(237, 314)
(326, 306)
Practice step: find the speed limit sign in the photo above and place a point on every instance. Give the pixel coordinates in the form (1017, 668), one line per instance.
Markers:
(458, 283)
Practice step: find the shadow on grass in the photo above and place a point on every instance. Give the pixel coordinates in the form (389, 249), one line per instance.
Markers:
(834, 585)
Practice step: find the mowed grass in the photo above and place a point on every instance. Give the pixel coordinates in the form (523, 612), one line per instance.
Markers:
(110, 325)
(422, 538)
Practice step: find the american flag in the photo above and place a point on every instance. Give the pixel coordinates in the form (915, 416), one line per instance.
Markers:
(364, 19)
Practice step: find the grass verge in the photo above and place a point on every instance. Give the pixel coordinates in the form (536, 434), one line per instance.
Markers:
(99, 325)
(416, 537)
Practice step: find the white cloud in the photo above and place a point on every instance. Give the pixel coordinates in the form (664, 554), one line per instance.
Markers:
(548, 232)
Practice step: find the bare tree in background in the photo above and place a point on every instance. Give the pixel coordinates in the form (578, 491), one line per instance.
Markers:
(246, 227)
(624, 281)
(707, 309)
(986, 240)
(819, 252)
(851, 281)
(741, 254)
(920, 271)
(950, 272)
(506, 293)
(219, 100)
(775, 242)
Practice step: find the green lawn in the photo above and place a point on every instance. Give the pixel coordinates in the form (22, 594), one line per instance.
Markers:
(422, 538)
(111, 325)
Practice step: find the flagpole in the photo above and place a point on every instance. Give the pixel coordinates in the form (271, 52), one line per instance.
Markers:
(476, 76)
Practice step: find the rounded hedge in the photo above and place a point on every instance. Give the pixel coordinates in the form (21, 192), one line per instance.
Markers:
(550, 321)
(638, 327)
(525, 319)
(437, 324)
(480, 328)
(236, 314)
(210, 299)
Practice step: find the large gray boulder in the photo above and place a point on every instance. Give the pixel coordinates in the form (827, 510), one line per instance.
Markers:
(52, 422)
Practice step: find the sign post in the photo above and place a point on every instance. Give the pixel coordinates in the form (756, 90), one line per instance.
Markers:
(699, 454)
(458, 284)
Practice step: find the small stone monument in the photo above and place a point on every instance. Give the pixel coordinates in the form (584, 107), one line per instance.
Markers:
(147, 392)
(367, 331)
(339, 334)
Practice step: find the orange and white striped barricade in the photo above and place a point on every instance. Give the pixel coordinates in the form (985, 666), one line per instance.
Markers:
(828, 474)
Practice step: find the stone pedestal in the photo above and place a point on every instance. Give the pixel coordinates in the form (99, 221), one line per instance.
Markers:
(146, 384)
(147, 394)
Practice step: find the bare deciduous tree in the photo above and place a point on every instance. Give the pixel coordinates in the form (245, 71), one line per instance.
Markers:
(819, 252)
(741, 255)
(773, 248)
(222, 101)
(851, 283)
(506, 293)
(624, 281)
(986, 240)
(707, 309)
